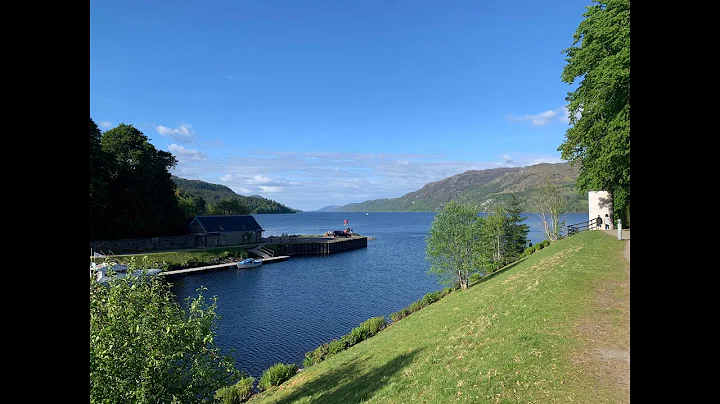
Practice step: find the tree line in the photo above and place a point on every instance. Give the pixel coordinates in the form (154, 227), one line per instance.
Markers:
(132, 193)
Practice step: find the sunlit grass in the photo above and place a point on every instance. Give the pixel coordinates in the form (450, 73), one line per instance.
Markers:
(508, 339)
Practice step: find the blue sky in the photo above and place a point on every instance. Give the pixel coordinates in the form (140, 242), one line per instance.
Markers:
(315, 103)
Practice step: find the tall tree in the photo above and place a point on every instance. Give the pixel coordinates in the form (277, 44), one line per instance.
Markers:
(228, 206)
(599, 136)
(504, 234)
(454, 247)
(549, 203)
(142, 195)
(99, 177)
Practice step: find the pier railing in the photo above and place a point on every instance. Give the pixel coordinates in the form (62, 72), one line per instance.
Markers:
(578, 227)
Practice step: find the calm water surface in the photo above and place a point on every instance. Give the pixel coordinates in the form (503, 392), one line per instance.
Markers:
(280, 311)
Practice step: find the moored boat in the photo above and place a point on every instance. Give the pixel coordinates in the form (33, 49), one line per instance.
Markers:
(249, 263)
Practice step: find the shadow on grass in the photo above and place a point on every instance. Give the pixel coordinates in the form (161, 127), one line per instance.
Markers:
(350, 383)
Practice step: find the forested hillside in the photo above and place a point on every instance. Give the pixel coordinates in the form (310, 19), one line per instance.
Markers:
(213, 193)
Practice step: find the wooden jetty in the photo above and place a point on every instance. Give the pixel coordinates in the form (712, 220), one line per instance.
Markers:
(219, 266)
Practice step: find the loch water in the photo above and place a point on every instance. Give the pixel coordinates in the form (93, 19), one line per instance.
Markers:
(279, 311)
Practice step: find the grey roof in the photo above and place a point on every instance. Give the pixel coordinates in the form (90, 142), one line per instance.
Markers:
(221, 223)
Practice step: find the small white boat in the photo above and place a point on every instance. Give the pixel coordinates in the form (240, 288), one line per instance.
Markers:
(104, 272)
(249, 263)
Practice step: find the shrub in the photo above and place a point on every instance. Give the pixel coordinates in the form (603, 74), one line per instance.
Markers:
(373, 325)
(277, 374)
(415, 306)
(236, 393)
(399, 315)
(431, 297)
(335, 346)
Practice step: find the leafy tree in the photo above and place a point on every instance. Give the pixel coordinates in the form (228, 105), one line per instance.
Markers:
(142, 201)
(549, 203)
(493, 236)
(191, 205)
(144, 348)
(599, 136)
(99, 177)
(228, 206)
(454, 247)
(516, 230)
(504, 235)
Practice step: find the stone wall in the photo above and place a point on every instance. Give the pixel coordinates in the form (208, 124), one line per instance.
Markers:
(144, 244)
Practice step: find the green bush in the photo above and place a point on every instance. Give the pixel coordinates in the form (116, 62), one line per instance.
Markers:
(277, 374)
(236, 393)
(373, 325)
(415, 306)
(430, 298)
(399, 315)
(335, 346)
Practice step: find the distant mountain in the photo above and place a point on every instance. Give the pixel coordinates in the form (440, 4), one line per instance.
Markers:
(331, 208)
(214, 192)
(483, 187)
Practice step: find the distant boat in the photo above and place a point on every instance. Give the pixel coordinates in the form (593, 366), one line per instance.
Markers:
(249, 263)
(366, 214)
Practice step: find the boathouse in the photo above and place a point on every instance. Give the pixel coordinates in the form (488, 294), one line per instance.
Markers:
(224, 230)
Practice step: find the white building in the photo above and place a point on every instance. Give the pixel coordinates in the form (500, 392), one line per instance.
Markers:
(600, 204)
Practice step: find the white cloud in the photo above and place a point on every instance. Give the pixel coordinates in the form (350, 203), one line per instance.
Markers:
(105, 124)
(186, 154)
(183, 133)
(257, 179)
(270, 189)
(226, 178)
(543, 118)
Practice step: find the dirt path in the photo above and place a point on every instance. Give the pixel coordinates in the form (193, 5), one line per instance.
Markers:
(607, 335)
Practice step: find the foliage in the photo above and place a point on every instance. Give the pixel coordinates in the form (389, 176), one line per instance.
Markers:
(599, 108)
(144, 348)
(191, 205)
(504, 234)
(549, 203)
(236, 393)
(277, 374)
(212, 193)
(137, 197)
(454, 247)
(228, 206)
(365, 330)
(99, 177)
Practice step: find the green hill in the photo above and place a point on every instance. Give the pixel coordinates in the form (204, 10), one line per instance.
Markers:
(214, 192)
(552, 328)
(482, 187)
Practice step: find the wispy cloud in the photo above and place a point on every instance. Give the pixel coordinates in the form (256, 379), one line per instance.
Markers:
(183, 133)
(543, 118)
(183, 155)
(310, 181)
(105, 124)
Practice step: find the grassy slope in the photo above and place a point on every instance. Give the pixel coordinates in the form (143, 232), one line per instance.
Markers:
(520, 336)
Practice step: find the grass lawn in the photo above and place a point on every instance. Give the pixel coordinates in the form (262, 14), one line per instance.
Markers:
(553, 328)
